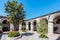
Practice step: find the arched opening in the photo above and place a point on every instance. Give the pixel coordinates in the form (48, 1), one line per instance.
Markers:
(6, 25)
(23, 26)
(56, 22)
(34, 25)
(29, 24)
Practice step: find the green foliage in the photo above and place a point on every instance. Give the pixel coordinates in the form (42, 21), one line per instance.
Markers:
(24, 27)
(23, 30)
(0, 25)
(13, 34)
(43, 36)
(14, 12)
(42, 28)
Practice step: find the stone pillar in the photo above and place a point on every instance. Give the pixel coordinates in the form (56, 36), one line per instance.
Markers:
(31, 26)
(38, 21)
(20, 27)
(11, 27)
(26, 26)
(50, 27)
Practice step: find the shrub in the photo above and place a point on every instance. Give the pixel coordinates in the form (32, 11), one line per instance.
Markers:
(13, 34)
(43, 36)
(42, 28)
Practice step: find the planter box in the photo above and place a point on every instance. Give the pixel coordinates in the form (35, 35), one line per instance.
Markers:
(44, 38)
(12, 38)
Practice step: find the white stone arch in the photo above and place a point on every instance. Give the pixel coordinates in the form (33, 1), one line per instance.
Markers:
(6, 26)
(3, 20)
(53, 16)
(50, 22)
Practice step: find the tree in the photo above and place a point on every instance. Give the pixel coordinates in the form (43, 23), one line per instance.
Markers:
(15, 12)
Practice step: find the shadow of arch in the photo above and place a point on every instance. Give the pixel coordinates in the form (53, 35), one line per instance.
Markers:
(58, 38)
(27, 34)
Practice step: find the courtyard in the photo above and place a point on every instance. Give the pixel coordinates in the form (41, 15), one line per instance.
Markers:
(30, 36)
(17, 24)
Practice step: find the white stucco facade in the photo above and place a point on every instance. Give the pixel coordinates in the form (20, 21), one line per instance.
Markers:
(49, 17)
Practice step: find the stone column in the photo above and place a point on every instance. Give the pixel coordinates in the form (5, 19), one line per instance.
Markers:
(50, 27)
(26, 26)
(11, 27)
(20, 27)
(31, 26)
(38, 21)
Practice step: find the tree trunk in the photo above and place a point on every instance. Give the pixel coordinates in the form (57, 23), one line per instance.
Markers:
(16, 27)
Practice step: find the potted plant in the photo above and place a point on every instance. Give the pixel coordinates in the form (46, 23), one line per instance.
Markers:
(13, 35)
(42, 29)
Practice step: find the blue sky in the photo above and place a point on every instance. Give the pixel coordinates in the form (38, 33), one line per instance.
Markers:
(35, 8)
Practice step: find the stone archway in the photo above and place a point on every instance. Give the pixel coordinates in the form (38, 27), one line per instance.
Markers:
(51, 22)
(29, 25)
(34, 25)
(6, 25)
(56, 22)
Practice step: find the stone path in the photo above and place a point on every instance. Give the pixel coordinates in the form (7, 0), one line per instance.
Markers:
(54, 37)
(33, 36)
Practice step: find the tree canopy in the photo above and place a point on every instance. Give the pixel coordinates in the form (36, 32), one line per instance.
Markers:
(15, 12)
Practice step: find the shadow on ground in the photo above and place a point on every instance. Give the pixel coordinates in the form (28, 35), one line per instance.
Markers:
(58, 38)
(0, 35)
(27, 34)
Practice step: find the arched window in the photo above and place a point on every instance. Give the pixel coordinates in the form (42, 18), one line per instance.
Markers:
(6, 25)
(4, 22)
(29, 24)
(56, 21)
(23, 26)
(34, 25)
